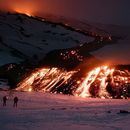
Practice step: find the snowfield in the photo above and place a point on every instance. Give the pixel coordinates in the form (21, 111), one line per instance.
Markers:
(39, 111)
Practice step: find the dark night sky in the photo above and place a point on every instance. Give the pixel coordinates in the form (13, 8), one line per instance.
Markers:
(103, 11)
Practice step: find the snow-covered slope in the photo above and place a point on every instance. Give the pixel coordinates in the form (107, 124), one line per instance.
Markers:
(39, 111)
(28, 38)
(117, 53)
(23, 37)
(4, 84)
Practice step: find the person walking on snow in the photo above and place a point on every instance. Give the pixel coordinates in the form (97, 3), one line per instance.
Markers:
(4, 100)
(15, 101)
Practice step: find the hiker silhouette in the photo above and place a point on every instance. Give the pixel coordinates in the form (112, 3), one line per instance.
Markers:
(15, 101)
(4, 100)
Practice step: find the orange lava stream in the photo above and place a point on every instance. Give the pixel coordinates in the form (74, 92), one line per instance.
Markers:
(100, 77)
(95, 81)
(45, 79)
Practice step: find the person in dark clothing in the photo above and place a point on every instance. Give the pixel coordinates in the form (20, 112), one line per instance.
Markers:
(4, 100)
(15, 101)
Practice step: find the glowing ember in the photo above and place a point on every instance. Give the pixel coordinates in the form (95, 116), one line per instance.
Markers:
(74, 54)
(103, 82)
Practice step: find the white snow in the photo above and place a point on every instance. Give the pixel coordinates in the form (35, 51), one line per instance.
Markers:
(40, 111)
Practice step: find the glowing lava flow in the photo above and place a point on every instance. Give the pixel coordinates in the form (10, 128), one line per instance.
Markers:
(103, 82)
(102, 78)
(46, 80)
(96, 77)
(83, 90)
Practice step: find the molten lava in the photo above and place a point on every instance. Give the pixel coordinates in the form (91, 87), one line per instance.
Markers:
(103, 82)
(46, 80)
(95, 78)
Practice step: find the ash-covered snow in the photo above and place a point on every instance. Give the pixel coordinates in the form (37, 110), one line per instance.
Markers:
(39, 111)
